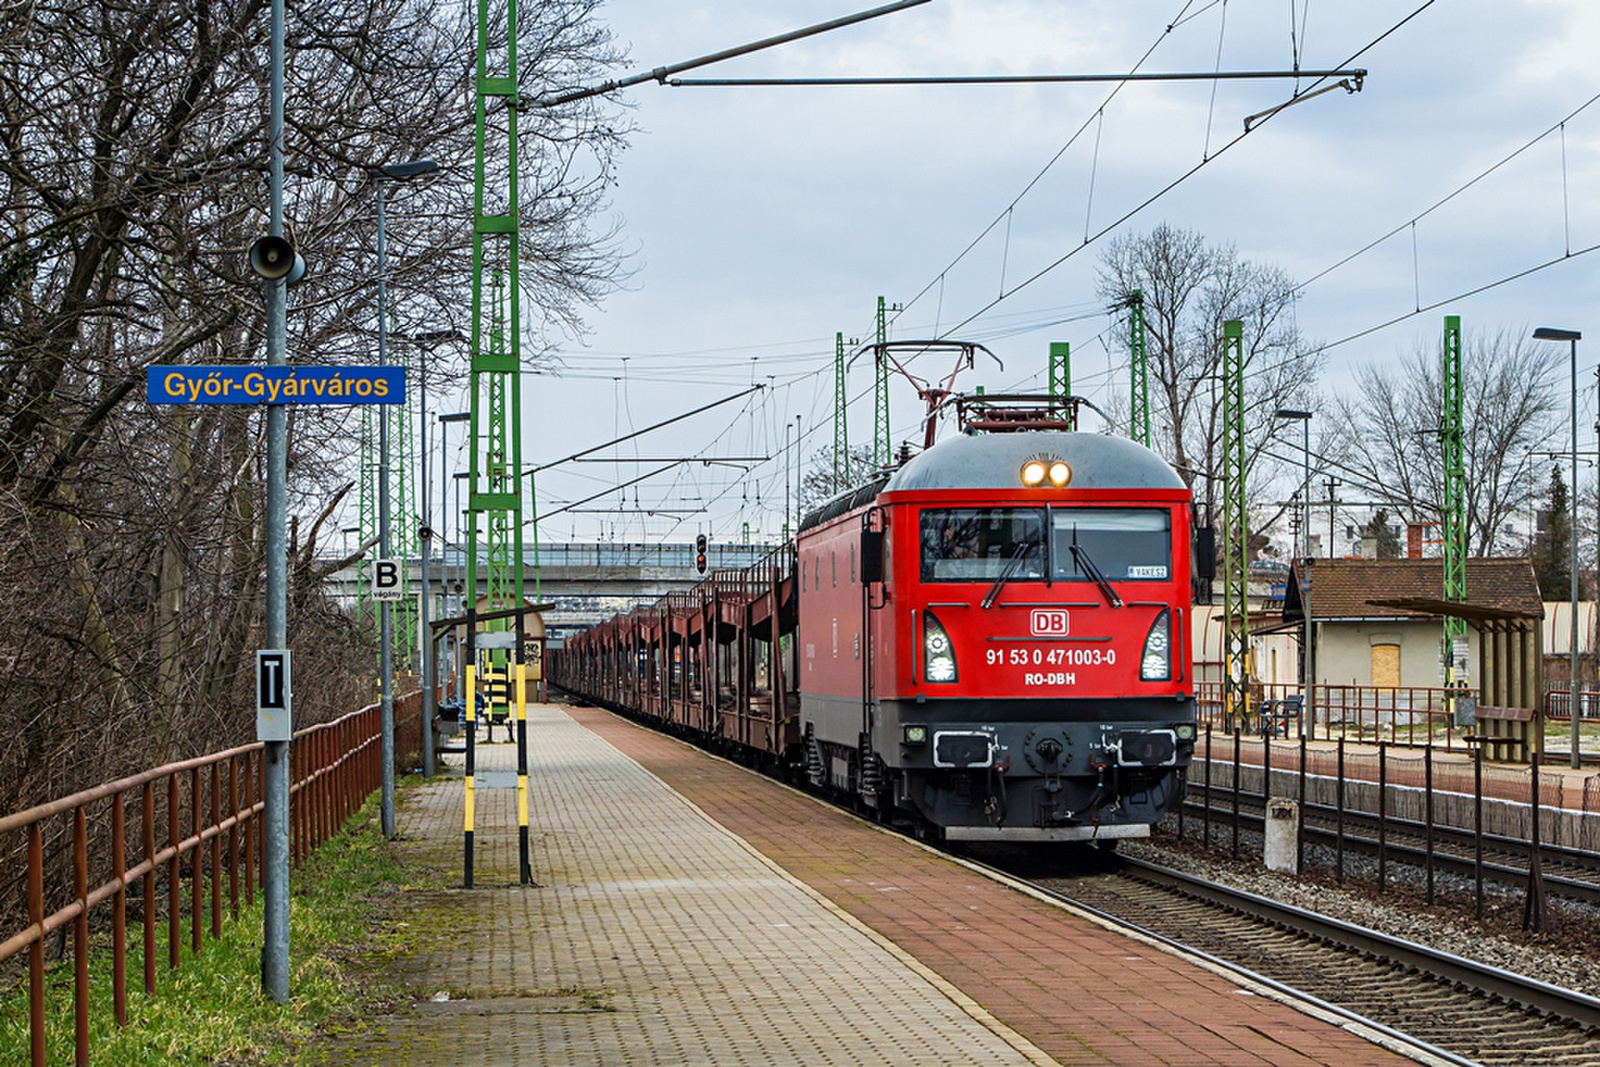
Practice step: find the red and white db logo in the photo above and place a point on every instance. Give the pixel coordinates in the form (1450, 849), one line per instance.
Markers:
(1049, 622)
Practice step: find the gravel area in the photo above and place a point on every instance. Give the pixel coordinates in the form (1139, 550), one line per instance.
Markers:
(1567, 954)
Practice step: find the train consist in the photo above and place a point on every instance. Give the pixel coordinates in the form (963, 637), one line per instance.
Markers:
(987, 643)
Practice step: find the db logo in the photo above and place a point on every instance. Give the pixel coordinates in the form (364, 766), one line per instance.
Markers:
(1049, 622)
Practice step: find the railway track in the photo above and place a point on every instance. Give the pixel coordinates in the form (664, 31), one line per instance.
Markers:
(1567, 873)
(1443, 1007)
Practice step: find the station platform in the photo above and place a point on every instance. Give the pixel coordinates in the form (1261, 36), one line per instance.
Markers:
(690, 911)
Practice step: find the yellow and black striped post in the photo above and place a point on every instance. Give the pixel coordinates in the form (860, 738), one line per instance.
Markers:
(522, 750)
(470, 660)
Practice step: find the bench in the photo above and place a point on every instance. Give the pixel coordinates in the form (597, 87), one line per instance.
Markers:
(1500, 744)
(1279, 717)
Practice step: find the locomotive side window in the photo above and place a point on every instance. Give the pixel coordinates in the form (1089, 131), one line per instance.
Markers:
(978, 544)
(1126, 544)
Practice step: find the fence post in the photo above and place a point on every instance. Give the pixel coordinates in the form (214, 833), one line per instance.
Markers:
(1300, 830)
(174, 886)
(1207, 816)
(36, 950)
(119, 912)
(1266, 771)
(1477, 826)
(1338, 874)
(148, 819)
(1383, 822)
(1236, 792)
(197, 864)
(233, 838)
(1427, 800)
(216, 850)
(1533, 913)
(80, 936)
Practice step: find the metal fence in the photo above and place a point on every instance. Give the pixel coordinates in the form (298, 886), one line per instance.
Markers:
(1403, 715)
(139, 836)
(1441, 811)
(1558, 704)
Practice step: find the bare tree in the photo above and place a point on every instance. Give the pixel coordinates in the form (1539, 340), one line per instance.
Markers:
(817, 485)
(132, 179)
(1510, 408)
(1190, 288)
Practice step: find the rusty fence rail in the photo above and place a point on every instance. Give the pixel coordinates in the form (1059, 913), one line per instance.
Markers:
(139, 836)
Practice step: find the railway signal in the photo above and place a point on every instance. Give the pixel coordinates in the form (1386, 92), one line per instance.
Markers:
(700, 554)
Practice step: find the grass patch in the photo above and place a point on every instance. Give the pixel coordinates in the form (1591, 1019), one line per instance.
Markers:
(212, 1009)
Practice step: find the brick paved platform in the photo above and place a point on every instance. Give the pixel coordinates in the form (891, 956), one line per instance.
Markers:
(690, 911)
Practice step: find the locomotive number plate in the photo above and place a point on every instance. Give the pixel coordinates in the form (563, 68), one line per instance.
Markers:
(1051, 657)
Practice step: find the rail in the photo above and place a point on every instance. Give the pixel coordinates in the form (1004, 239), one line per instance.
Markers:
(204, 811)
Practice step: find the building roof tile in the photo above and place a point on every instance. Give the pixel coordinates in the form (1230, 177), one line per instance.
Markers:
(1348, 588)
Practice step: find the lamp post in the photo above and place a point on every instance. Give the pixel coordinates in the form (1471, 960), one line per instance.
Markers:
(1305, 478)
(460, 477)
(430, 695)
(430, 657)
(379, 175)
(1550, 333)
(1304, 548)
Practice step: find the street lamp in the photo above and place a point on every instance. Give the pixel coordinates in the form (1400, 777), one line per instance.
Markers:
(379, 175)
(1550, 333)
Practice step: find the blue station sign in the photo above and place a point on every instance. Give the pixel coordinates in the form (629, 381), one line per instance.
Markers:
(243, 384)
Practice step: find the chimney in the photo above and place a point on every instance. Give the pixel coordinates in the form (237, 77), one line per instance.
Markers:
(1414, 540)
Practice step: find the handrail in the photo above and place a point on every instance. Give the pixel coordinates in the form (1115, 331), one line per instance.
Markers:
(337, 766)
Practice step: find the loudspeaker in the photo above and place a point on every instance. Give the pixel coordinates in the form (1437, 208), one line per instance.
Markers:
(272, 257)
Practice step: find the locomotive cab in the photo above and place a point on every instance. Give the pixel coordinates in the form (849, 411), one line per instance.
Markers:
(1021, 670)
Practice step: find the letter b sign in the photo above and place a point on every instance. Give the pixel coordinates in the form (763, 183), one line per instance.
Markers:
(386, 579)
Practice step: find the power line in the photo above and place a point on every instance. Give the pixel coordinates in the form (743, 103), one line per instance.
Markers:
(1142, 205)
(1013, 79)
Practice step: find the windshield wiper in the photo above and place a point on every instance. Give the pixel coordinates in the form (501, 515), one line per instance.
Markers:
(1011, 568)
(1081, 556)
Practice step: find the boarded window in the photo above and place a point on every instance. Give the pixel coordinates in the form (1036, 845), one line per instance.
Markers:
(1386, 665)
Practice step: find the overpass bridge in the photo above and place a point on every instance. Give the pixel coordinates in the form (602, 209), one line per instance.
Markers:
(586, 581)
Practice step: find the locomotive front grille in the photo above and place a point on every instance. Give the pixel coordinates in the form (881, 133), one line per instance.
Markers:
(962, 749)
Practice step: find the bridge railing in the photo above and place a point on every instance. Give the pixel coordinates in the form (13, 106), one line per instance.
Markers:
(138, 836)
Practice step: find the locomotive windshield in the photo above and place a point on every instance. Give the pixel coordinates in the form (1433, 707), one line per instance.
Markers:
(1126, 544)
(978, 544)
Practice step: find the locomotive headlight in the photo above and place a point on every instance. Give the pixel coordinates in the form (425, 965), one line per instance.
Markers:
(915, 735)
(1184, 731)
(938, 657)
(1045, 469)
(1156, 663)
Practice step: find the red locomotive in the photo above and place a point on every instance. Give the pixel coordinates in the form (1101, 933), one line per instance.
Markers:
(988, 642)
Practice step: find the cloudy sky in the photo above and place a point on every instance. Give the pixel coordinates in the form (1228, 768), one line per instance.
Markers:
(761, 221)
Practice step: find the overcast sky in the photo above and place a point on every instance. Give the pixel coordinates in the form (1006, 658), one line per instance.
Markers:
(760, 221)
